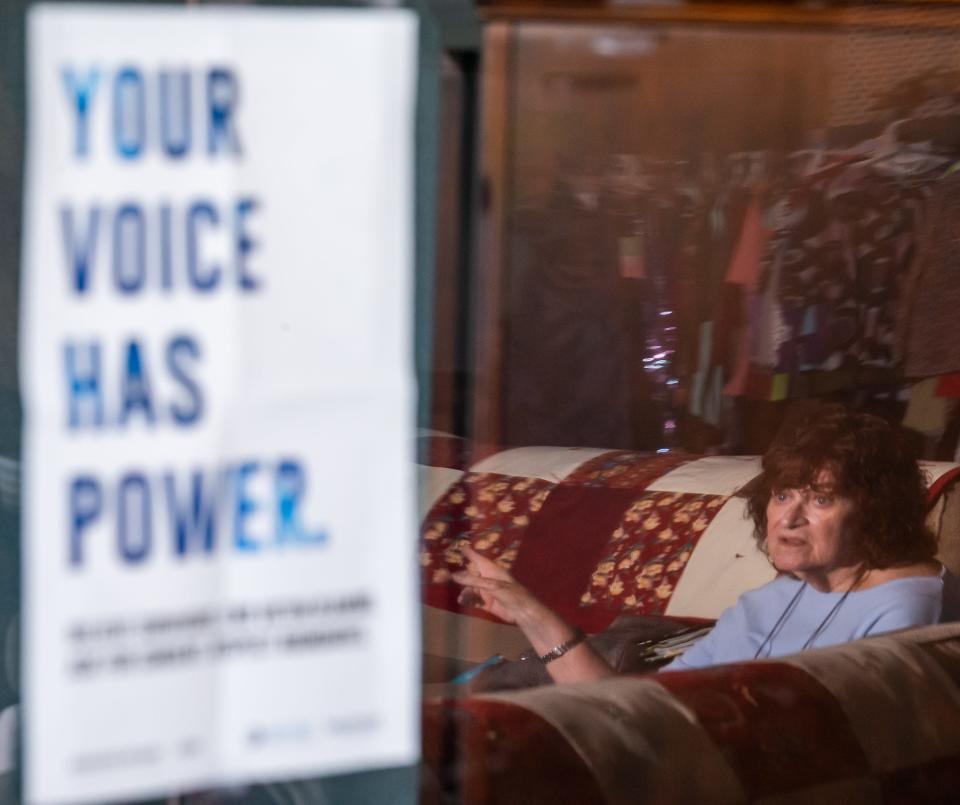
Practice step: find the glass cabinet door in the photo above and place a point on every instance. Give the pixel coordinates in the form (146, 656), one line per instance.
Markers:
(698, 223)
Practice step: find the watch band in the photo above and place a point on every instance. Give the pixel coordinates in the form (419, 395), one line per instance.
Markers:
(558, 651)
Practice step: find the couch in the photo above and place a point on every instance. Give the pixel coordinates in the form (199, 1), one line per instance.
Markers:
(600, 533)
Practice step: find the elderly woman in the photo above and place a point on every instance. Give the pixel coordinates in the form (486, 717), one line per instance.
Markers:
(838, 509)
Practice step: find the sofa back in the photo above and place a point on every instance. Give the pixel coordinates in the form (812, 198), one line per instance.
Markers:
(596, 533)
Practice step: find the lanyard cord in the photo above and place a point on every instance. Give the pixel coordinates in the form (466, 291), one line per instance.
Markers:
(783, 616)
(772, 634)
(825, 622)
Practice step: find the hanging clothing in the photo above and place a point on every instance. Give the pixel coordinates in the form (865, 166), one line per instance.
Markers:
(829, 289)
(932, 321)
(565, 351)
(744, 266)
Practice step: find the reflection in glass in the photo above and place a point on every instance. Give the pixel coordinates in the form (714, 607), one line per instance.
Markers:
(706, 226)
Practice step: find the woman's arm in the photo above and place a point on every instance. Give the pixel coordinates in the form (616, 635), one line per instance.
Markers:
(492, 588)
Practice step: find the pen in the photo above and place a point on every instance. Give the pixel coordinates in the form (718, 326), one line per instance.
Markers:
(470, 673)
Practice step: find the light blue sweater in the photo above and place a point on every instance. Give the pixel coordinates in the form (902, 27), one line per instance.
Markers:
(897, 604)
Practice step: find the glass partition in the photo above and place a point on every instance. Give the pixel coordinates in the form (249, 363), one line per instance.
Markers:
(697, 226)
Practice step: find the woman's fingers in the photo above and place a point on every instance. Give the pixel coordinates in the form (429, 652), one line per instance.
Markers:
(486, 566)
(501, 598)
(469, 598)
(480, 582)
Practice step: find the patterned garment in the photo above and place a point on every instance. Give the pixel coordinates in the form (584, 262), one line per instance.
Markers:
(834, 271)
(932, 324)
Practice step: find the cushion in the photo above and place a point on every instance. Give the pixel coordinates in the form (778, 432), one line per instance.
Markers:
(869, 721)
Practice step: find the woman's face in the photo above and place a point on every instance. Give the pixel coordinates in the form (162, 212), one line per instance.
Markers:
(808, 534)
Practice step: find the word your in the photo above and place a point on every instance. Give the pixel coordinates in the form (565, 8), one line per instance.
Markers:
(173, 112)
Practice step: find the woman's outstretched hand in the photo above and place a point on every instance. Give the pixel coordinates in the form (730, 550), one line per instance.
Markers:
(493, 589)
(490, 587)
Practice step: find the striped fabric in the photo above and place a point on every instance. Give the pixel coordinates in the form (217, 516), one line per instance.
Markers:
(875, 721)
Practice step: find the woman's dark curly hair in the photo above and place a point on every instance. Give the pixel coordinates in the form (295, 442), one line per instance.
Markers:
(871, 463)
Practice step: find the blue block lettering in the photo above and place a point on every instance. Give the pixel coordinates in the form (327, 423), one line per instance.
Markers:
(135, 387)
(166, 247)
(222, 97)
(289, 481)
(80, 91)
(244, 506)
(181, 352)
(202, 280)
(86, 502)
(129, 113)
(79, 252)
(244, 243)
(84, 395)
(129, 249)
(194, 520)
(133, 518)
(175, 112)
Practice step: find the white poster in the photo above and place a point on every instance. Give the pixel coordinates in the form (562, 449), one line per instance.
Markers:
(216, 357)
